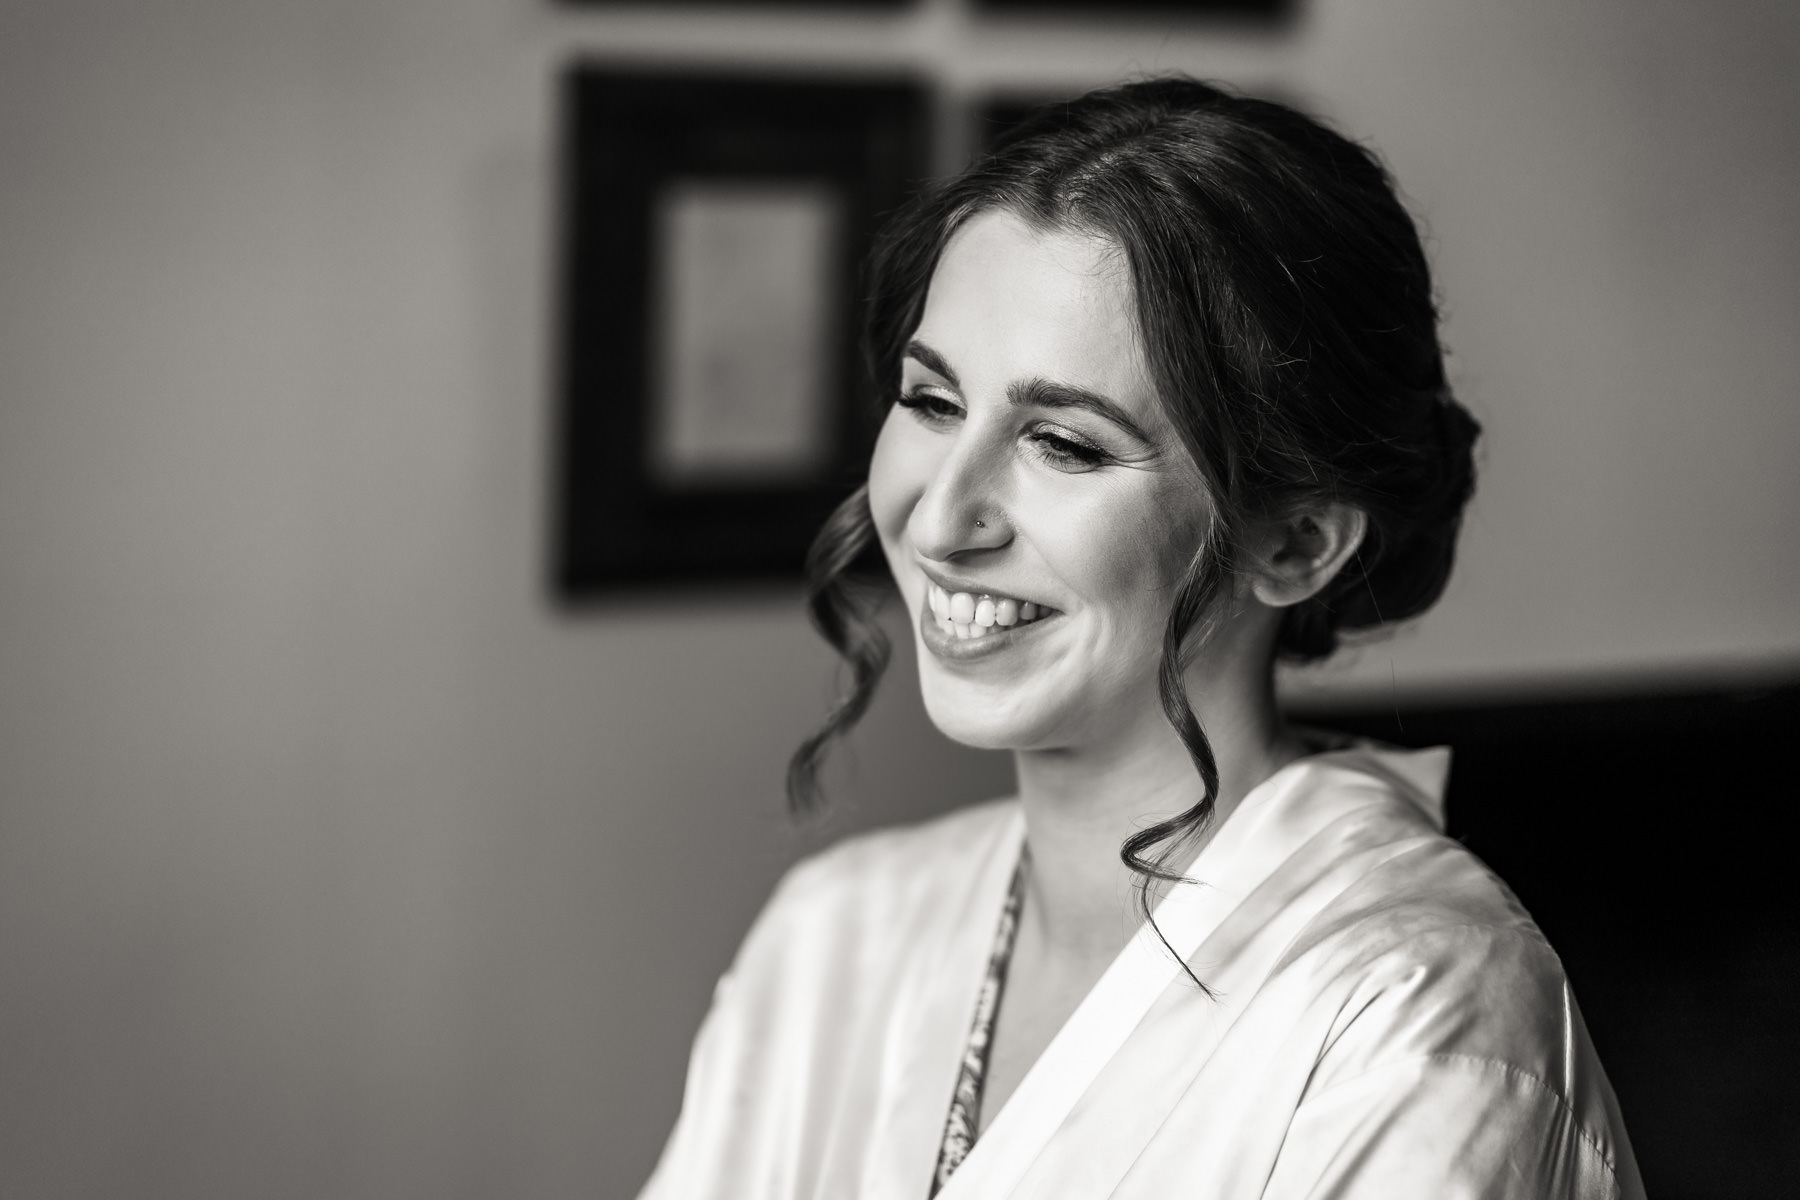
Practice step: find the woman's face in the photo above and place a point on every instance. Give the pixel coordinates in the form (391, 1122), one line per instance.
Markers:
(1029, 465)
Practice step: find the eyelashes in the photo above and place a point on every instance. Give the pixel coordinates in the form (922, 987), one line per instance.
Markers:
(1063, 452)
(929, 406)
(1050, 443)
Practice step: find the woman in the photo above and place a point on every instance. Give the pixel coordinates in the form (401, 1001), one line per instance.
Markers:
(1167, 403)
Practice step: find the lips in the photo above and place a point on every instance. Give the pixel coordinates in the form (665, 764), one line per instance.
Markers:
(951, 640)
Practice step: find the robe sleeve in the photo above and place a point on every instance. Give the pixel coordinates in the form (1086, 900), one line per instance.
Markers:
(734, 1137)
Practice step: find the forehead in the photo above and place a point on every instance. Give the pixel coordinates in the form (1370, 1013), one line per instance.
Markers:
(1008, 301)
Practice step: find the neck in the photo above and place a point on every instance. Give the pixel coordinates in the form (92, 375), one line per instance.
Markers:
(1081, 804)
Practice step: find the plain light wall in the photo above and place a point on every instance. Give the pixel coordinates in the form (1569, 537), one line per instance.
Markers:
(335, 861)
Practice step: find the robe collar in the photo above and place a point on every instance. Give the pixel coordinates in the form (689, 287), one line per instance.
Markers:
(1275, 818)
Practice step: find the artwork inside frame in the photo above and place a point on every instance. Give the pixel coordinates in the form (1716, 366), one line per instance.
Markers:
(712, 406)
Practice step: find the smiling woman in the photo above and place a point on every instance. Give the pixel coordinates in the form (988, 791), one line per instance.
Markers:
(1167, 402)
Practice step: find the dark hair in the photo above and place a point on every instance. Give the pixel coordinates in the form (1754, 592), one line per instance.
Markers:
(1287, 314)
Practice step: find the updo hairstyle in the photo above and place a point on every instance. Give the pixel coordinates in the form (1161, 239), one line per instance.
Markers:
(1286, 310)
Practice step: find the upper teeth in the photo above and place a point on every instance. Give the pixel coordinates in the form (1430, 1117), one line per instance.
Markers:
(972, 615)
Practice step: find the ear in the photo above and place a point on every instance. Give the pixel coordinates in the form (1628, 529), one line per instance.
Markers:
(1302, 553)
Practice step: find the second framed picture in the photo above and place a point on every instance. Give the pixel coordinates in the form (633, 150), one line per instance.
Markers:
(712, 411)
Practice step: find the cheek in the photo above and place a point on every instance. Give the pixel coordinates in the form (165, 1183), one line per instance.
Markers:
(1134, 552)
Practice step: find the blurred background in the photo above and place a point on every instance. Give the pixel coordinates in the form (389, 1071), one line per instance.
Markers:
(338, 857)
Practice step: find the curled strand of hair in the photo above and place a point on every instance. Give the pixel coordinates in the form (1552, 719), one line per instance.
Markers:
(1188, 615)
(841, 601)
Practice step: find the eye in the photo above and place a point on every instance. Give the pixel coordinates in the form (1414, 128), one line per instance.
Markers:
(1064, 449)
(930, 407)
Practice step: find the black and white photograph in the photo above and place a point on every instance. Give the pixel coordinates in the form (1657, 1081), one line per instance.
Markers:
(898, 599)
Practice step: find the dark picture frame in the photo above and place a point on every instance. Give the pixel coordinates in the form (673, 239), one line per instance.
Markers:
(713, 228)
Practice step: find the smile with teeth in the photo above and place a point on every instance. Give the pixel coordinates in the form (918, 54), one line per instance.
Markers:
(975, 616)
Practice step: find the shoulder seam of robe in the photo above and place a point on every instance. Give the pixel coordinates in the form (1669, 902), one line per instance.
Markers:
(1513, 1070)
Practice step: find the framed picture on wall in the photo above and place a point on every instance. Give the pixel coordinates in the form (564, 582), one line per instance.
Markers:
(712, 410)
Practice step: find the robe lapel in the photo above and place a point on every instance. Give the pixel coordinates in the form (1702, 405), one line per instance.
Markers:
(1274, 849)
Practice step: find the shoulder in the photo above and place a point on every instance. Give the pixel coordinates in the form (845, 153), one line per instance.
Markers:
(1434, 954)
(1441, 985)
(1406, 917)
(1407, 911)
(799, 1017)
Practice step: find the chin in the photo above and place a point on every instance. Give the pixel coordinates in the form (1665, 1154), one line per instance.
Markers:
(962, 727)
(977, 718)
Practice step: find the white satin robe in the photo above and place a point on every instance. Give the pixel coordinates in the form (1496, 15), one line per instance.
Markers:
(1386, 1022)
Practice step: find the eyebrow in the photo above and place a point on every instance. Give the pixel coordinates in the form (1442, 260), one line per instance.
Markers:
(1042, 393)
(1038, 393)
(932, 361)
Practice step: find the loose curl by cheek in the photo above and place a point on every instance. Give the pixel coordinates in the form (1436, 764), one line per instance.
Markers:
(1190, 624)
(846, 583)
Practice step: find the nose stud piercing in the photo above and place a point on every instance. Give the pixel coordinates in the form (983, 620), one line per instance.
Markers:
(980, 524)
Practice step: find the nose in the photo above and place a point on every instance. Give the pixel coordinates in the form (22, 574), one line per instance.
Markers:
(963, 508)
